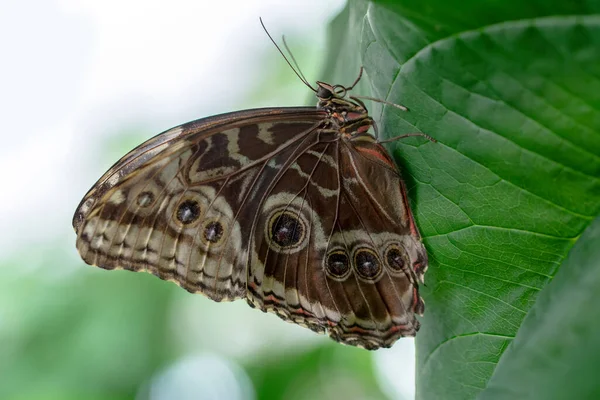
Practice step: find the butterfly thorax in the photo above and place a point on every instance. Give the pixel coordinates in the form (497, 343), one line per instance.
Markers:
(349, 117)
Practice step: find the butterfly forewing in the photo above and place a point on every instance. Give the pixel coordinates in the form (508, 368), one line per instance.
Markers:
(182, 213)
(295, 209)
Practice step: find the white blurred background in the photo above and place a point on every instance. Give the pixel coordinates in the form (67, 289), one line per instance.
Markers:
(83, 81)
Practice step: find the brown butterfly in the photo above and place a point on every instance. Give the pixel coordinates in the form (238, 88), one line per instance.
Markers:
(299, 210)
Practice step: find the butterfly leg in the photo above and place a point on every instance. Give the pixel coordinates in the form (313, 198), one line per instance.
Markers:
(360, 72)
(376, 131)
(426, 136)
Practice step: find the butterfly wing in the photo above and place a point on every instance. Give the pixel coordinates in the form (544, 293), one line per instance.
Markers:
(273, 206)
(335, 248)
(180, 205)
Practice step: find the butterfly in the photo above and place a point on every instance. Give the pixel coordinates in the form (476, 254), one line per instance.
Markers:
(298, 210)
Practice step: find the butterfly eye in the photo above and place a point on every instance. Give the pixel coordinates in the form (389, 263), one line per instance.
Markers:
(188, 211)
(367, 264)
(324, 93)
(213, 232)
(145, 199)
(337, 265)
(286, 230)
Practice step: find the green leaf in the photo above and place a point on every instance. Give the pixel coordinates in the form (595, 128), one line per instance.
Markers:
(558, 341)
(512, 92)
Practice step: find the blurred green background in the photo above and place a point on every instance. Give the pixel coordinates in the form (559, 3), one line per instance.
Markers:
(83, 83)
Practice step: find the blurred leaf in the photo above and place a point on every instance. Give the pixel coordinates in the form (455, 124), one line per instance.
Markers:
(513, 97)
(330, 371)
(87, 335)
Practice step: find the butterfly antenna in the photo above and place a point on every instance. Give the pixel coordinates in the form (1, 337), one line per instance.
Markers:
(301, 77)
(293, 58)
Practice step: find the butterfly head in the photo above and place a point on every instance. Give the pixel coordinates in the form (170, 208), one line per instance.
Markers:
(325, 91)
(350, 115)
(333, 97)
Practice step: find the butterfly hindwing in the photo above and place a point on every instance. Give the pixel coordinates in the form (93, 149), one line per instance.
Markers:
(308, 266)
